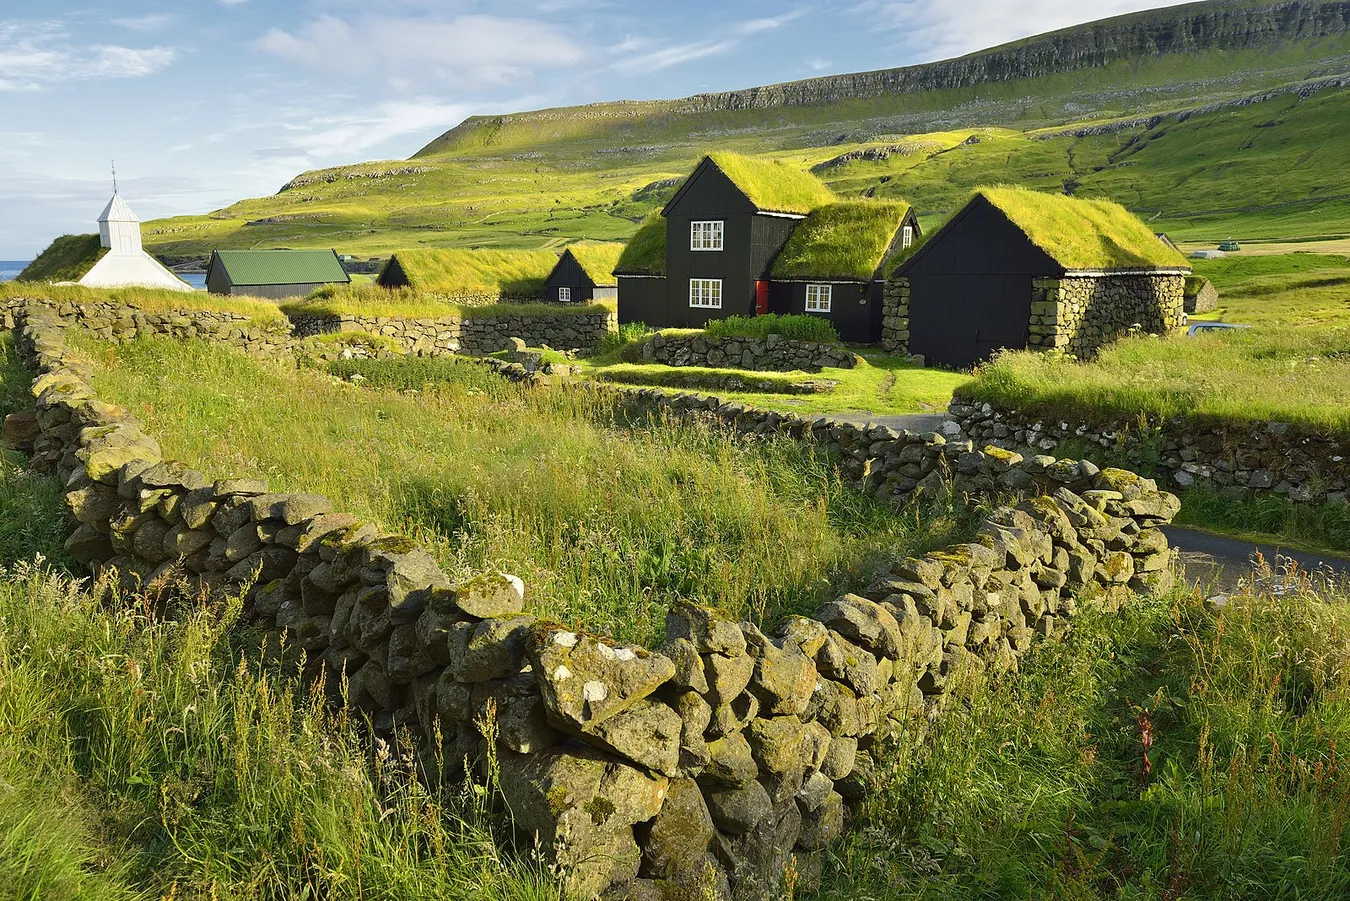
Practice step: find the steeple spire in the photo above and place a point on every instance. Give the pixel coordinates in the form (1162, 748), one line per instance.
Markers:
(114, 171)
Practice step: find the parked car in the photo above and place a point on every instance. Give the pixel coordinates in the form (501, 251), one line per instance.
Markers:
(1229, 246)
(1197, 327)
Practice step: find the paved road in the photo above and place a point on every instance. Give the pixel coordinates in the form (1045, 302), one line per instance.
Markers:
(1217, 562)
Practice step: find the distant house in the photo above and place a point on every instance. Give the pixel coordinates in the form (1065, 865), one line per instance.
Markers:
(744, 236)
(471, 276)
(833, 265)
(114, 258)
(274, 274)
(584, 273)
(1016, 268)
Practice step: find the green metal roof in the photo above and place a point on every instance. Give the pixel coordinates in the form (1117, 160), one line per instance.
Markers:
(282, 267)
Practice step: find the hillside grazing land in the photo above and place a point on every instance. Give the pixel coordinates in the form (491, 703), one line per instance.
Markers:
(1209, 119)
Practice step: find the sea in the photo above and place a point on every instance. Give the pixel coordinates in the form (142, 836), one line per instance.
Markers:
(10, 269)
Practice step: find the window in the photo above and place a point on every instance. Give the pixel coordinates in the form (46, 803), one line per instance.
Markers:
(907, 237)
(564, 295)
(818, 298)
(705, 236)
(705, 293)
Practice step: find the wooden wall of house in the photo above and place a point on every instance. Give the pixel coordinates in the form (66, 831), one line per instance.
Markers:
(855, 307)
(569, 274)
(643, 299)
(275, 292)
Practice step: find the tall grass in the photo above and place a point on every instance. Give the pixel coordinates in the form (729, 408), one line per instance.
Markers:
(606, 518)
(158, 300)
(794, 326)
(409, 303)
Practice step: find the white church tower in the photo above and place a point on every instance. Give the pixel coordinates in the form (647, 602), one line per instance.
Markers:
(126, 264)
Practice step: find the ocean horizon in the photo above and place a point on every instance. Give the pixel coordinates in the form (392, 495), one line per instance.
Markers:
(10, 269)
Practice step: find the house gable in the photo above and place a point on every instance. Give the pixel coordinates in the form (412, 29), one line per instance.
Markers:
(980, 239)
(708, 193)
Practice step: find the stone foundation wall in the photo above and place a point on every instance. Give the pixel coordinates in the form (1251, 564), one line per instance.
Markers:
(1073, 314)
(1204, 299)
(1244, 459)
(1080, 314)
(121, 322)
(582, 332)
(704, 766)
(771, 354)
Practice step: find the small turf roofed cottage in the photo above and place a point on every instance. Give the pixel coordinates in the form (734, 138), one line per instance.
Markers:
(834, 264)
(274, 274)
(471, 277)
(584, 273)
(1016, 268)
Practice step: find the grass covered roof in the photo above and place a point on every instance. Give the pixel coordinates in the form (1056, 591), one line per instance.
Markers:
(773, 185)
(466, 273)
(849, 239)
(597, 259)
(645, 253)
(1084, 234)
(67, 259)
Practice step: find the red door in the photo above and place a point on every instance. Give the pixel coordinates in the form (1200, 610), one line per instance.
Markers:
(761, 297)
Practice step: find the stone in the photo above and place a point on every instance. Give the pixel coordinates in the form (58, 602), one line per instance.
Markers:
(585, 679)
(844, 661)
(648, 733)
(705, 628)
(824, 825)
(675, 843)
(730, 760)
(494, 649)
(783, 680)
(727, 676)
(20, 430)
(515, 712)
(776, 743)
(838, 762)
(491, 594)
(688, 665)
(737, 810)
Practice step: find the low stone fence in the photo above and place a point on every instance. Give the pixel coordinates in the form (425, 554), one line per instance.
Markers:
(120, 322)
(702, 768)
(1265, 458)
(581, 332)
(770, 354)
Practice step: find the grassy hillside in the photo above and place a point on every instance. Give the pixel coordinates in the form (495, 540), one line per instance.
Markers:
(67, 259)
(1206, 143)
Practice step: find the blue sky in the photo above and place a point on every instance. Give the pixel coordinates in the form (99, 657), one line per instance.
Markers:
(202, 102)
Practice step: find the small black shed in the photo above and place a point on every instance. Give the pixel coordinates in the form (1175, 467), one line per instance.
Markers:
(1017, 268)
(585, 273)
(274, 274)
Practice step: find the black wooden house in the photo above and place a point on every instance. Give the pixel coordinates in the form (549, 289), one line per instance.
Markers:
(584, 273)
(743, 236)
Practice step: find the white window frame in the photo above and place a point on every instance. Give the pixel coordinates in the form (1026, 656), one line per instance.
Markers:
(564, 295)
(906, 237)
(705, 293)
(706, 234)
(819, 298)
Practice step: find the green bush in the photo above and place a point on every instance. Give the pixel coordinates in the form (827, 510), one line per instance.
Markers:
(794, 326)
(626, 344)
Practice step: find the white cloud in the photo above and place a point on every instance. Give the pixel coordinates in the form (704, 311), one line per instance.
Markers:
(944, 29)
(153, 22)
(816, 64)
(34, 56)
(485, 49)
(757, 26)
(636, 54)
(346, 136)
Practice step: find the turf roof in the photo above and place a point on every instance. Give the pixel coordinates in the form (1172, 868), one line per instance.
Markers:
(645, 253)
(773, 185)
(849, 239)
(455, 272)
(1084, 234)
(282, 267)
(67, 259)
(597, 259)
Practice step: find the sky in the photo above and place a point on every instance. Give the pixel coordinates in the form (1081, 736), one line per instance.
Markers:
(204, 102)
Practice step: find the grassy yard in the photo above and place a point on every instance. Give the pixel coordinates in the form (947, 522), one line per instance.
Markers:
(606, 521)
(882, 385)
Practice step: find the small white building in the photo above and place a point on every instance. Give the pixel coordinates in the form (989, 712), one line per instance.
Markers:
(126, 264)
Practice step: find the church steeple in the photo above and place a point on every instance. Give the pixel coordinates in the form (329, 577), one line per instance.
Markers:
(118, 228)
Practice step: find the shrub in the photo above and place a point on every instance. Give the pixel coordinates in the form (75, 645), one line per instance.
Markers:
(794, 326)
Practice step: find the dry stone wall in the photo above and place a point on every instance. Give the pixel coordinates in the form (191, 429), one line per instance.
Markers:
(473, 335)
(704, 766)
(121, 322)
(773, 353)
(1239, 459)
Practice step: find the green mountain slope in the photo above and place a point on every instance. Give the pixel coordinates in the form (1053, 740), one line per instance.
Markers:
(1209, 118)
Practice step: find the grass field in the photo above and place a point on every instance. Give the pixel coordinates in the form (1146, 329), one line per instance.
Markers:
(605, 521)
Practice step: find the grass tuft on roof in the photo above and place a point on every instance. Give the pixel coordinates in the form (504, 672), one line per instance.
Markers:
(461, 273)
(67, 259)
(645, 253)
(849, 239)
(774, 185)
(597, 259)
(1084, 234)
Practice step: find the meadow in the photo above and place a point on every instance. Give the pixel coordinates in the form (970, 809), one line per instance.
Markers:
(605, 515)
